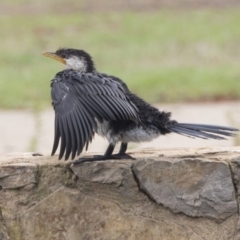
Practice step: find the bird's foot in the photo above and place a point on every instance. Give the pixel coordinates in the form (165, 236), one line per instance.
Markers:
(103, 158)
(122, 156)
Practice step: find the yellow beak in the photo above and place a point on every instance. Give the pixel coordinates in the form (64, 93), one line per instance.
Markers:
(54, 56)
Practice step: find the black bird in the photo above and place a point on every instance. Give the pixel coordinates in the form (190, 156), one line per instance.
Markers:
(88, 102)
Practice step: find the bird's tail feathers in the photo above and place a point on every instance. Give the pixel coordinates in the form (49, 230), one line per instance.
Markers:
(203, 131)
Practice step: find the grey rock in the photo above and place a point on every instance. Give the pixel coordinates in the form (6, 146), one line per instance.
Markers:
(69, 214)
(18, 175)
(43, 198)
(2, 237)
(3, 228)
(108, 172)
(235, 168)
(195, 187)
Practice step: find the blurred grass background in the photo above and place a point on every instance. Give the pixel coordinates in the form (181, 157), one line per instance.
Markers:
(163, 54)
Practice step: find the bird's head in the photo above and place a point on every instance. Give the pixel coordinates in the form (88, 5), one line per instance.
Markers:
(78, 60)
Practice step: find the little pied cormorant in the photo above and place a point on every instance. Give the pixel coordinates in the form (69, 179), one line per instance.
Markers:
(88, 102)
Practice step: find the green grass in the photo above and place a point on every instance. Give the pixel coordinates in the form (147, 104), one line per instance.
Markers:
(162, 56)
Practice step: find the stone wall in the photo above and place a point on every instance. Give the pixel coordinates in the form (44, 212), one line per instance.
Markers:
(172, 194)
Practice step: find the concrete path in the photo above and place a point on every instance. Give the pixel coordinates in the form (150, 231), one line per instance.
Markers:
(22, 131)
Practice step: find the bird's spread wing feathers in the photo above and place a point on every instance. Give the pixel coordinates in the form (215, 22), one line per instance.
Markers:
(78, 100)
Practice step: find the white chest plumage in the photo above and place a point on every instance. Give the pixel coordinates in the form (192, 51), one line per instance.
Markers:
(137, 134)
(103, 129)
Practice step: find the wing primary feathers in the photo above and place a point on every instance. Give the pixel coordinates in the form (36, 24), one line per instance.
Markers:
(87, 127)
(77, 137)
(68, 137)
(86, 148)
(73, 137)
(91, 124)
(82, 127)
(56, 136)
(91, 118)
(63, 140)
(93, 114)
(79, 133)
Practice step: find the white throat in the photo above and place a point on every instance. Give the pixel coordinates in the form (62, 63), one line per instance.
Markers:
(76, 64)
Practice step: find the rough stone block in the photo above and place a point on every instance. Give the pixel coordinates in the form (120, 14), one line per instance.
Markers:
(173, 194)
(18, 175)
(195, 187)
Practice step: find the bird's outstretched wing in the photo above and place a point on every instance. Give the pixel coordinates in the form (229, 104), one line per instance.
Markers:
(79, 99)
